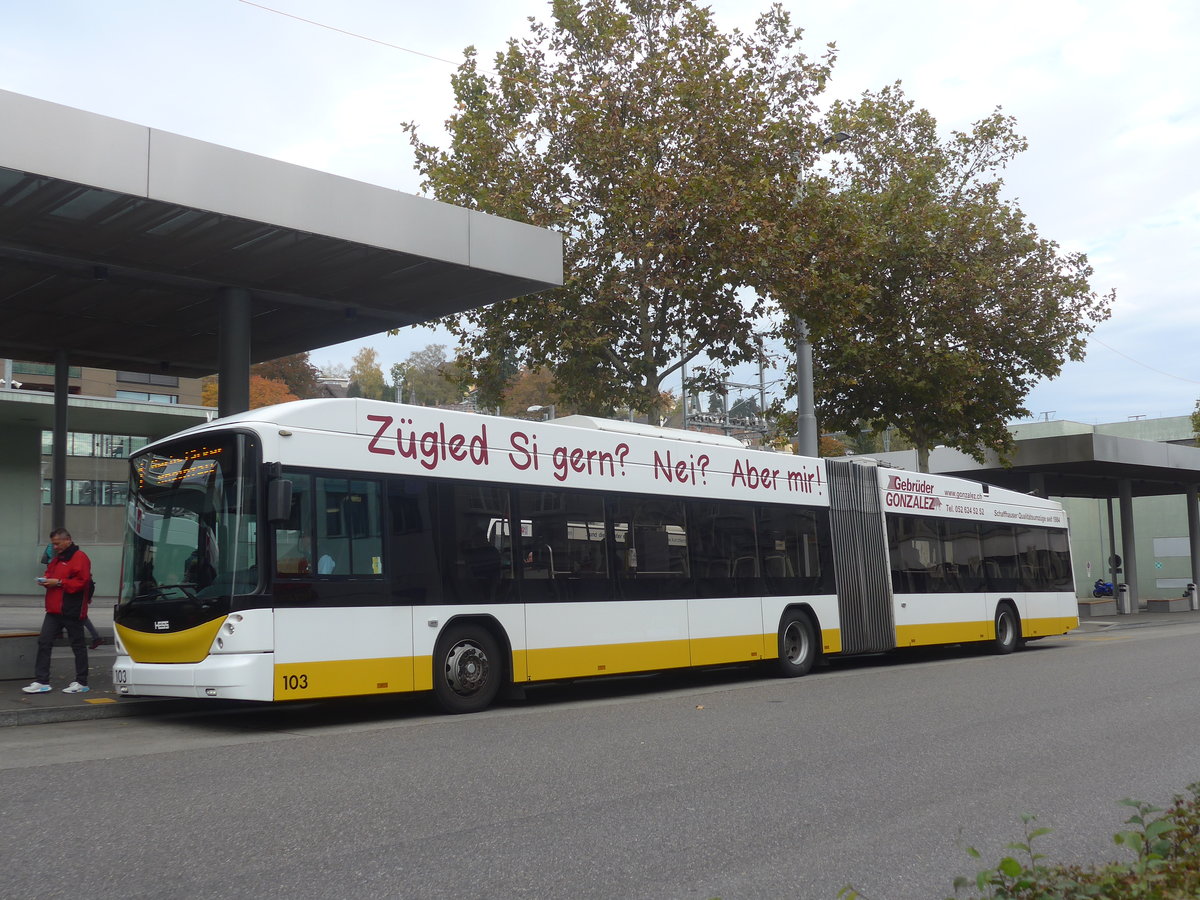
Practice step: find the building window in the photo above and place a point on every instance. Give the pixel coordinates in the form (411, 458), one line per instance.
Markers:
(145, 397)
(147, 378)
(88, 492)
(29, 368)
(109, 446)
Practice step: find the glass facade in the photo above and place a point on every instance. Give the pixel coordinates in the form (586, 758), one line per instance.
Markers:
(97, 484)
(88, 492)
(101, 445)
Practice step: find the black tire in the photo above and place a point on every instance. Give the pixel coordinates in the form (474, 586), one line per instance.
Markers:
(1008, 629)
(798, 647)
(467, 669)
(1097, 594)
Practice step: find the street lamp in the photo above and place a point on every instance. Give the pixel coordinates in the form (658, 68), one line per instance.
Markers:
(807, 439)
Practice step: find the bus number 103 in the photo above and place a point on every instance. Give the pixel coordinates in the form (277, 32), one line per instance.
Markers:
(295, 682)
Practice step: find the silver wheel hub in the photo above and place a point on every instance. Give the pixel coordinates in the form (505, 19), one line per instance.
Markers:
(795, 643)
(466, 668)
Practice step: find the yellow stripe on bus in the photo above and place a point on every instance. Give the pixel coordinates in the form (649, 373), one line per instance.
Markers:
(1048, 626)
(720, 650)
(343, 678)
(606, 659)
(944, 633)
(965, 632)
(188, 646)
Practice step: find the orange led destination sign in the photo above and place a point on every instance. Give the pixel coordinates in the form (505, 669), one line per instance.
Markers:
(195, 465)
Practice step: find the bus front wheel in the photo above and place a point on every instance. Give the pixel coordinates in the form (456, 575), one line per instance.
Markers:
(797, 645)
(466, 669)
(1008, 629)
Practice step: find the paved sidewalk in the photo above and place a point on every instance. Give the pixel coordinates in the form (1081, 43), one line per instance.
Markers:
(1143, 619)
(19, 708)
(25, 613)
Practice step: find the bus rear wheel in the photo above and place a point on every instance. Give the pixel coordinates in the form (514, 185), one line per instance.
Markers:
(1008, 629)
(466, 669)
(797, 645)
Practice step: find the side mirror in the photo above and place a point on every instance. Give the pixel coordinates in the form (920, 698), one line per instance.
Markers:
(279, 500)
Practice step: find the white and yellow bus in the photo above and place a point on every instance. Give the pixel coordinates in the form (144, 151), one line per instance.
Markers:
(329, 548)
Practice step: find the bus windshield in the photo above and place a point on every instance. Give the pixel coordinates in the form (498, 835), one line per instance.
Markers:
(191, 525)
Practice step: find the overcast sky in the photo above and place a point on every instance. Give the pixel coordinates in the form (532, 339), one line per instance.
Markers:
(1107, 92)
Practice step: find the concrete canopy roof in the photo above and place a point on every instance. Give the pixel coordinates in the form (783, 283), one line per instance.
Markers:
(1077, 465)
(116, 238)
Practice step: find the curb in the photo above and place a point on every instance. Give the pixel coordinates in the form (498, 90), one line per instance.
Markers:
(49, 715)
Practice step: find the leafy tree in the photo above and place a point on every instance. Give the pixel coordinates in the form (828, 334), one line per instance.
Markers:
(531, 387)
(263, 392)
(335, 370)
(1196, 422)
(960, 305)
(649, 137)
(831, 446)
(429, 377)
(296, 371)
(366, 377)
(866, 442)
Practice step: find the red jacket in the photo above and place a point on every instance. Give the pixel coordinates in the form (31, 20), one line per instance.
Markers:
(74, 568)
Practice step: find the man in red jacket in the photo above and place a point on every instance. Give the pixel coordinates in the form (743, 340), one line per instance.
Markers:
(67, 582)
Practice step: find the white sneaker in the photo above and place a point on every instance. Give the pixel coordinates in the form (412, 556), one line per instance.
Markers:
(74, 688)
(36, 688)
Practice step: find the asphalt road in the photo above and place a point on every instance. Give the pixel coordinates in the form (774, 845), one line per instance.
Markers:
(877, 773)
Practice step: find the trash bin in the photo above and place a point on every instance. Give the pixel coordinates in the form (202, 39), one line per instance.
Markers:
(1123, 605)
(1193, 600)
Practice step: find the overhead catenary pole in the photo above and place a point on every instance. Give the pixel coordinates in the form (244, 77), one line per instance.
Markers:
(807, 439)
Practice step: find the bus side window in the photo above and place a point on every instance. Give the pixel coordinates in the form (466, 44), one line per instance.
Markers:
(413, 549)
(349, 535)
(293, 538)
(478, 544)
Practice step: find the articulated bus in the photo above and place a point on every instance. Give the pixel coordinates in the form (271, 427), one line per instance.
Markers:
(329, 548)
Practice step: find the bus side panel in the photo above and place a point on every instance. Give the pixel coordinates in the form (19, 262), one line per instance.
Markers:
(583, 639)
(1049, 613)
(337, 652)
(924, 619)
(725, 630)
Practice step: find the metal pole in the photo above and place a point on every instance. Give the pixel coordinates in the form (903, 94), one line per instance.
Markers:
(806, 417)
(683, 393)
(1128, 545)
(1193, 518)
(58, 455)
(762, 386)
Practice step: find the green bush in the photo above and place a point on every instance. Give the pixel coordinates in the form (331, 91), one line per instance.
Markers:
(1166, 863)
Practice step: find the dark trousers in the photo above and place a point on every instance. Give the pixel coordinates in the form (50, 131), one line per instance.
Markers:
(51, 625)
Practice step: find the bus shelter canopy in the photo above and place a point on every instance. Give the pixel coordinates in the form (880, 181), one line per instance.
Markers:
(116, 240)
(1086, 465)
